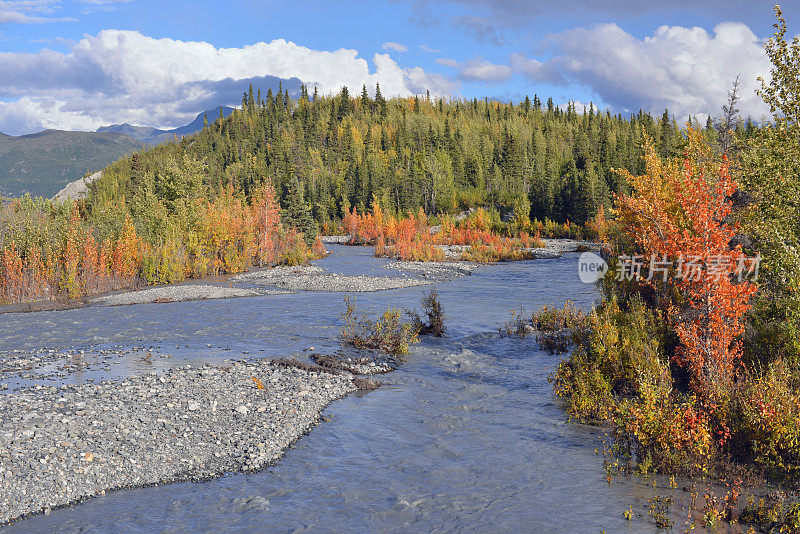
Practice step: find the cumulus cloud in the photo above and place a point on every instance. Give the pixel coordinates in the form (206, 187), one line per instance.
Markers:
(477, 70)
(686, 70)
(420, 81)
(536, 70)
(397, 47)
(124, 76)
(28, 114)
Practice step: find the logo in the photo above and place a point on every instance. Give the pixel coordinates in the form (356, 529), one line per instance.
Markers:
(591, 267)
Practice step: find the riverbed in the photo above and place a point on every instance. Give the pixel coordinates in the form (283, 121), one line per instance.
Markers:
(466, 436)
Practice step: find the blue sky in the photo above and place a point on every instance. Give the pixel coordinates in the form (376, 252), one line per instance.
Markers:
(81, 64)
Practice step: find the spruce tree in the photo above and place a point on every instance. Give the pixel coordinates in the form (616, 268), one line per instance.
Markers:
(366, 103)
(296, 212)
(344, 103)
(380, 101)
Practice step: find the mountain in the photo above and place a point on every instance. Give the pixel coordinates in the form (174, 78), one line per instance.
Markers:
(42, 163)
(153, 136)
(145, 134)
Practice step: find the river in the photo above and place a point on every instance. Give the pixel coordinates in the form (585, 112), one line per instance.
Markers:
(466, 436)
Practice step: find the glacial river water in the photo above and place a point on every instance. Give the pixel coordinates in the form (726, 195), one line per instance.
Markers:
(465, 437)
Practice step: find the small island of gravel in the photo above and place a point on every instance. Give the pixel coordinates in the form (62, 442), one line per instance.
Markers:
(314, 278)
(60, 445)
(176, 293)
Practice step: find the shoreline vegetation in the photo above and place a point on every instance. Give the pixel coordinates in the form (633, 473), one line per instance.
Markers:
(470, 237)
(692, 358)
(244, 240)
(51, 251)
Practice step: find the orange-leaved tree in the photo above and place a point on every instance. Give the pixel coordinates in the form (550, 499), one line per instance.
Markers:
(677, 220)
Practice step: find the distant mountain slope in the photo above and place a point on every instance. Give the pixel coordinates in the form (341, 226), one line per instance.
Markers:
(42, 163)
(145, 134)
(154, 136)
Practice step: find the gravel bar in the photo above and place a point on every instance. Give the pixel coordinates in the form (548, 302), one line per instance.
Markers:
(335, 239)
(359, 365)
(313, 278)
(61, 445)
(176, 293)
(554, 248)
(439, 271)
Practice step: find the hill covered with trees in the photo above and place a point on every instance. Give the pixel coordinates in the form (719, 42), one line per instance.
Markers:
(409, 153)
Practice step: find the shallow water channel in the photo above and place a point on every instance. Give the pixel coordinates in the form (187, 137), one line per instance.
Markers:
(466, 436)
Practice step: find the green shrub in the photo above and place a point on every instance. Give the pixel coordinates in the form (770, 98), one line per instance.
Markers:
(389, 333)
(518, 326)
(767, 421)
(552, 319)
(435, 314)
(775, 513)
(660, 430)
(581, 384)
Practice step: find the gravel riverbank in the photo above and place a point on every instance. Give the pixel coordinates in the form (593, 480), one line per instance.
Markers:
(60, 445)
(313, 278)
(335, 239)
(435, 271)
(177, 293)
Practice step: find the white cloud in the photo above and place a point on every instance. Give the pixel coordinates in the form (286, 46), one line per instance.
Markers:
(34, 114)
(447, 62)
(397, 47)
(20, 17)
(428, 50)
(479, 69)
(124, 76)
(29, 11)
(420, 81)
(57, 41)
(534, 69)
(686, 70)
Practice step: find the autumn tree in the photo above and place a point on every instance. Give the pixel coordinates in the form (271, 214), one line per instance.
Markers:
(677, 221)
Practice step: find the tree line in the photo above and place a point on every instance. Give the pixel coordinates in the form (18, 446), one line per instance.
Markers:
(328, 154)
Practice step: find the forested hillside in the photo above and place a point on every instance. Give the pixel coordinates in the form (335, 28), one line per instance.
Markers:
(409, 153)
